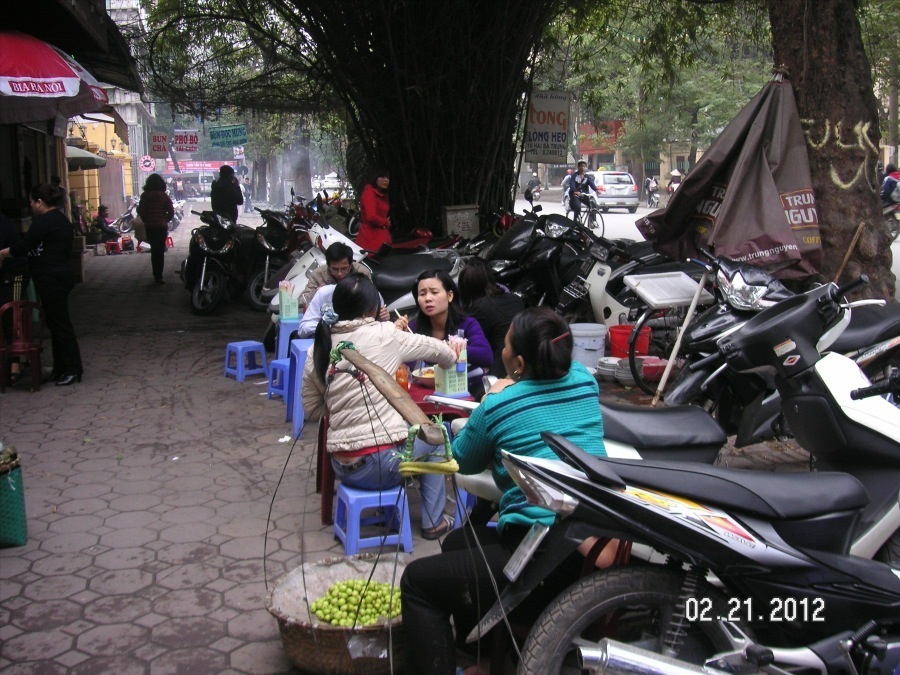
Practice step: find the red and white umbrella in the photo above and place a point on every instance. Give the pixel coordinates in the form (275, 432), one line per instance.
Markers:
(39, 82)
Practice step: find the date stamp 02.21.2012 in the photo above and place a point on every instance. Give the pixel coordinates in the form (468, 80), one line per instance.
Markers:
(775, 610)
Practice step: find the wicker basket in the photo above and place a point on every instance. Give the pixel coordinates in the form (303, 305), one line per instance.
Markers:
(317, 647)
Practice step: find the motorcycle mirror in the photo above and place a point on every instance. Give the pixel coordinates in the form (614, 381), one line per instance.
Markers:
(292, 191)
(529, 197)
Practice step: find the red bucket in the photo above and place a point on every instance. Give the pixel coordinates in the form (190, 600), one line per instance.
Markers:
(618, 341)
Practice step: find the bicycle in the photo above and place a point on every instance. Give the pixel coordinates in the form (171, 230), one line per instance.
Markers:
(590, 217)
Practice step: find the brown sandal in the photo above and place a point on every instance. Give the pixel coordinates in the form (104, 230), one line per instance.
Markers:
(438, 530)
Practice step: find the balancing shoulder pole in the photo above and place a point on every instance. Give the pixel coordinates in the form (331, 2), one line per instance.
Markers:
(396, 396)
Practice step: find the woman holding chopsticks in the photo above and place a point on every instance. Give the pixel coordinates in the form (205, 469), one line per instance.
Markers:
(440, 316)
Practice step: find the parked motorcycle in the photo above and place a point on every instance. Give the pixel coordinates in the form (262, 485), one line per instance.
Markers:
(125, 223)
(788, 551)
(178, 205)
(271, 252)
(555, 261)
(393, 275)
(746, 404)
(218, 261)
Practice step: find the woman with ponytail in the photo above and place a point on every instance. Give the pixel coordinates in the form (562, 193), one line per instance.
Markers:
(365, 433)
(545, 391)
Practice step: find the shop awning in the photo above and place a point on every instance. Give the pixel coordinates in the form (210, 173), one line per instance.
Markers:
(79, 159)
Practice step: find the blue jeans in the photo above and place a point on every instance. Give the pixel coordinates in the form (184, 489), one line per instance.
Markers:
(381, 470)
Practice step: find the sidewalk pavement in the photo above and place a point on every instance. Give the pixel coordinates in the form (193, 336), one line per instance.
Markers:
(151, 485)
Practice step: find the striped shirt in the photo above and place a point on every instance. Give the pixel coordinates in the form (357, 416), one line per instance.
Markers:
(513, 419)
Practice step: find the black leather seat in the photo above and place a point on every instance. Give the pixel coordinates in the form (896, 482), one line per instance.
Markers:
(660, 428)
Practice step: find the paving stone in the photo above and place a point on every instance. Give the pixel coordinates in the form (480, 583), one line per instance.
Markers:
(119, 582)
(36, 645)
(46, 615)
(182, 633)
(187, 661)
(113, 639)
(121, 665)
(117, 609)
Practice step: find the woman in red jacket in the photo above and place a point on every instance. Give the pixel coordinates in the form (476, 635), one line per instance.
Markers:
(374, 206)
(156, 210)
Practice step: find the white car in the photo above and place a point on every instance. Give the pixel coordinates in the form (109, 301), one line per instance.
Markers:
(331, 182)
(616, 189)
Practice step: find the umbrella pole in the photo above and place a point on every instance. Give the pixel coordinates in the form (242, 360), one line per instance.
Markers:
(687, 318)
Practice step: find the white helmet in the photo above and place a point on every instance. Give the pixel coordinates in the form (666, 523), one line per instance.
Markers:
(534, 174)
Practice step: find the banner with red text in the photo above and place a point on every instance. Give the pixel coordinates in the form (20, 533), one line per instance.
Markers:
(548, 134)
(185, 140)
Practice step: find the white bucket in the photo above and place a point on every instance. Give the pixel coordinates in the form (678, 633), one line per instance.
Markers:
(589, 343)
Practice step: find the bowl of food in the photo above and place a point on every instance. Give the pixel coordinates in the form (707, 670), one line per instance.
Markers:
(424, 377)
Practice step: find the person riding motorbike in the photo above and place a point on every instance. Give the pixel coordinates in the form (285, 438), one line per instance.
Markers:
(577, 187)
(533, 182)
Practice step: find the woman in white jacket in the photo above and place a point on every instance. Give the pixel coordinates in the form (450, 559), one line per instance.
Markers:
(365, 433)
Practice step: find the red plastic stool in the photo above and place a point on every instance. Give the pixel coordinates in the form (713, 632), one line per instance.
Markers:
(170, 243)
(113, 247)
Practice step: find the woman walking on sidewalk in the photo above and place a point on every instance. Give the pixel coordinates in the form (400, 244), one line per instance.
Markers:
(156, 210)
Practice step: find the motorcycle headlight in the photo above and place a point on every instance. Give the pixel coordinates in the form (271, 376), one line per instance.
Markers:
(740, 294)
(555, 230)
(539, 493)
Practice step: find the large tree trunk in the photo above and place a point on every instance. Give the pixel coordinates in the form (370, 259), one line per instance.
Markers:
(820, 43)
(435, 90)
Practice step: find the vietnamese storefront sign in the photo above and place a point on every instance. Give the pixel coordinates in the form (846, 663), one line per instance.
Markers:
(239, 152)
(194, 165)
(159, 145)
(226, 137)
(547, 132)
(185, 140)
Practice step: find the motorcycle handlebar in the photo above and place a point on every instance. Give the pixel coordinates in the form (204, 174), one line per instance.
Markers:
(842, 291)
(705, 361)
(197, 213)
(890, 385)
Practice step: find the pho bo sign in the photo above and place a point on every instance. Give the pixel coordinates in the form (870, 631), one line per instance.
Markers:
(186, 140)
(227, 137)
(547, 132)
(159, 145)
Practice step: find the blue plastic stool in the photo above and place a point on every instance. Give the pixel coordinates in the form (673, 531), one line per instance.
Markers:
(278, 378)
(285, 328)
(249, 359)
(294, 403)
(348, 518)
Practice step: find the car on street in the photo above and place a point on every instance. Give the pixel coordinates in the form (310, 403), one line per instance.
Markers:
(616, 189)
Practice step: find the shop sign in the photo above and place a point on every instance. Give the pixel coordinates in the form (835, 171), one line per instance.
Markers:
(547, 130)
(186, 140)
(226, 137)
(159, 145)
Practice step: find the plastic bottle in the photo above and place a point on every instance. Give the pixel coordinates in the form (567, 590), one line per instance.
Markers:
(402, 376)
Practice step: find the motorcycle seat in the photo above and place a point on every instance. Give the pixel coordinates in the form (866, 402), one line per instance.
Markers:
(399, 273)
(661, 428)
(773, 496)
(869, 324)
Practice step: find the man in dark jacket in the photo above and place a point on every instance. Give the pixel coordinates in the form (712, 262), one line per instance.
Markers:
(225, 193)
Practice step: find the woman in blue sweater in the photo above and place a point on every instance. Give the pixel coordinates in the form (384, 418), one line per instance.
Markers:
(545, 391)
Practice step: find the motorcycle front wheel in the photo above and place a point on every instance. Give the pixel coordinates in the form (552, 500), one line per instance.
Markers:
(125, 225)
(637, 605)
(205, 299)
(256, 296)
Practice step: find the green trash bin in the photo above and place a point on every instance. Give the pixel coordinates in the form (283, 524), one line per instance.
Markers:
(13, 530)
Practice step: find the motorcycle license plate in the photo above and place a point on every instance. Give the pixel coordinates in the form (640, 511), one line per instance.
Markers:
(525, 551)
